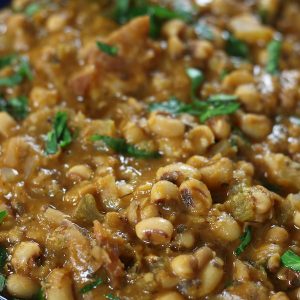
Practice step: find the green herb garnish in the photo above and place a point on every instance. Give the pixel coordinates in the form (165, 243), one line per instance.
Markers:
(2, 282)
(16, 107)
(40, 295)
(215, 106)
(274, 52)
(7, 60)
(3, 257)
(60, 135)
(236, 47)
(245, 241)
(291, 260)
(87, 288)
(32, 9)
(126, 10)
(111, 297)
(3, 214)
(108, 49)
(204, 31)
(122, 147)
(23, 72)
(197, 77)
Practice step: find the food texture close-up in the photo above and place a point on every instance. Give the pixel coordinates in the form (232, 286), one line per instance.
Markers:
(150, 150)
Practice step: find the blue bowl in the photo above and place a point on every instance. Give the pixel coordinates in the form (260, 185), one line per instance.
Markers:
(4, 3)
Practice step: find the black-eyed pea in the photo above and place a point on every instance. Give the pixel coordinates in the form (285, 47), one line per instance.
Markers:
(157, 231)
(57, 22)
(195, 196)
(166, 280)
(203, 256)
(255, 126)
(280, 296)
(250, 97)
(296, 218)
(244, 172)
(262, 199)
(21, 286)
(79, 172)
(174, 28)
(240, 271)
(225, 227)
(7, 124)
(185, 239)
(24, 255)
(132, 133)
(165, 126)
(170, 296)
(274, 262)
(40, 97)
(164, 191)
(184, 266)
(201, 50)
(176, 47)
(236, 78)
(217, 172)
(177, 173)
(277, 235)
(220, 127)
(201, 138)
(211, 276)
(149, 211)
(197, 161)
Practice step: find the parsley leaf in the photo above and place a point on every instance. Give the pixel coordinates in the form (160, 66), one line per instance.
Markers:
(291, 260)
(274, 52)
(16, 107)
(3, 257)
(23, 71)
(7, 60)
(197, 77)
(60, 135)
(32, 9)
(40, 295)
(87, 288)
(111, 297)
(108, 49)
(122, 147)
(2, 282)
(236, 47)
(216, 105)
(204, 31)
(245, 241)
(3, 214)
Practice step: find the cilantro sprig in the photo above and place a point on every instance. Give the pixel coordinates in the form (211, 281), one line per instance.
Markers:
(3, 215)
(111, 297)
(17, 107)
(217, 105)
(108, 49)
(236, 47)
(7, 60)
(126, 10)
(60, 136)
(274, 52)
(291, 260)
(3, 258)
(23, 71)
(245, 241)
(89, 287)
(197, 77)
(120, 146)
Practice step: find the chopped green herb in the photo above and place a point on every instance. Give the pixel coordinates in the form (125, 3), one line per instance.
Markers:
(60, 135)
(32, 9)
(111, 297)
(245, 241)
(236, 47)
(2, 282)
(3, 214)
(215, 106)
(110, 50)
(197, 77)
(87, 288)
(291, 260)
(16, 107)
(3, 257)
(126, 10)
(23, 71)
(204, 31)
(274, 52)
(223, 74)
(40, 295)
(122, 147)
(7, 60)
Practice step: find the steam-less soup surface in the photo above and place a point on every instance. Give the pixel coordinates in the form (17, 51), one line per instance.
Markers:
(150, 150)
